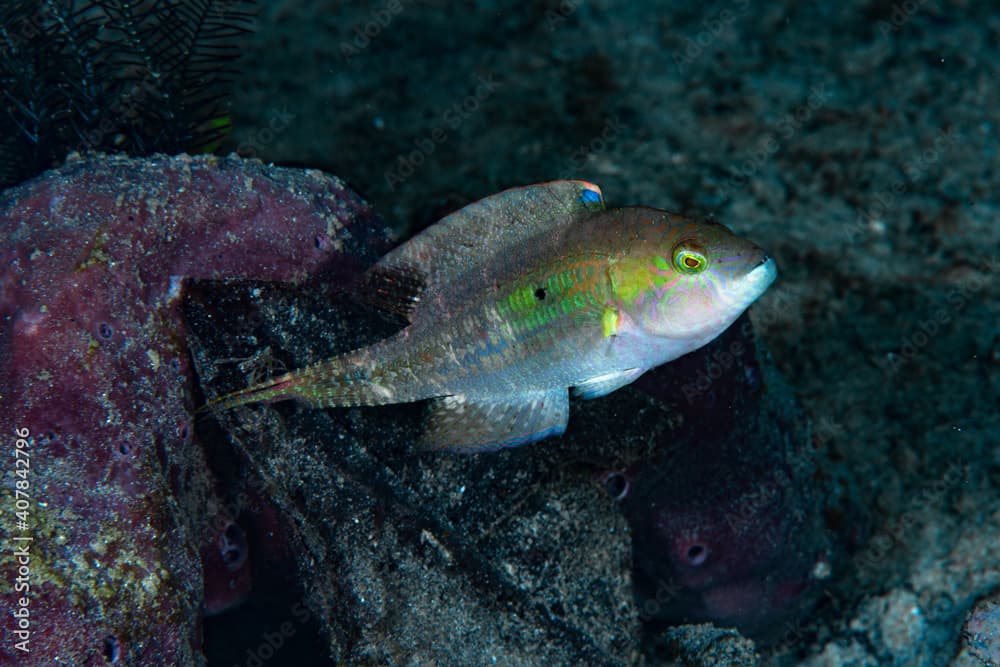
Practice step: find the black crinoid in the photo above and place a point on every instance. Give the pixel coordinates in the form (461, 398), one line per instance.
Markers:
(112, 75)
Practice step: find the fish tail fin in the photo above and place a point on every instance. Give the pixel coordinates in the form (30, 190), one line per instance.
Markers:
(275, 389)
(344, 381)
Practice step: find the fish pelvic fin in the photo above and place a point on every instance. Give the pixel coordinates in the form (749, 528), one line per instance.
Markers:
(475, 424)
(603, 385)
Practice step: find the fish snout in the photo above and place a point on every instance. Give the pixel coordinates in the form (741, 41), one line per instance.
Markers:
(763, 273)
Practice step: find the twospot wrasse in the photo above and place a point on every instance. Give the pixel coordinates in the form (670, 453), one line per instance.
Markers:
(517, 298)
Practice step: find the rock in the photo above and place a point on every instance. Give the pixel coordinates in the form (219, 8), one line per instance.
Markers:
(708, 646)
(407, 557)
(982, 631)
(96, 376)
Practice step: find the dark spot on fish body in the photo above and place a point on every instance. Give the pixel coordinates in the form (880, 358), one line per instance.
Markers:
(541, 293)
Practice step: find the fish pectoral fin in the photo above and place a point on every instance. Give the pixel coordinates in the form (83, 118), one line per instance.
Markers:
(477, 424)
(607, 383)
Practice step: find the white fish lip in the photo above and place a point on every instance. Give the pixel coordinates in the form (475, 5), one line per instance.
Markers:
(750, 286)
(762, 275)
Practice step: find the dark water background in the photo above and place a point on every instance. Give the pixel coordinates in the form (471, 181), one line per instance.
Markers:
(855, 141)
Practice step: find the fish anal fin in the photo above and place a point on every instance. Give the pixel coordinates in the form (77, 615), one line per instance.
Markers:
(471, 425)
(606, 383)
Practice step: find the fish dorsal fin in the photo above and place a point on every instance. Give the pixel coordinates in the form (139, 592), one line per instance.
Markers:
(395, 289)
(469, 236)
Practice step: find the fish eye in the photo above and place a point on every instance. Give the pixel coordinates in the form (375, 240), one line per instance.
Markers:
(688, 258)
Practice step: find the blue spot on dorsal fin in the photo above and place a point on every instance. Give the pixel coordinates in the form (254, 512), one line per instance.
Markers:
(589, 196)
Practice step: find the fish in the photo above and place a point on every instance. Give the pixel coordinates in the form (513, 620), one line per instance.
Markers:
(521, 297)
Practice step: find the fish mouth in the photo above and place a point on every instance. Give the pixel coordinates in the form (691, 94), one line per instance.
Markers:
(762, 275)
(751, 285)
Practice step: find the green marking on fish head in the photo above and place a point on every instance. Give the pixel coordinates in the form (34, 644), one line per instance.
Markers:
(683, 279)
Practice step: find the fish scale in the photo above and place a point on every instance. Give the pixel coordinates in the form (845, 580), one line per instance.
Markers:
(521, 296)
